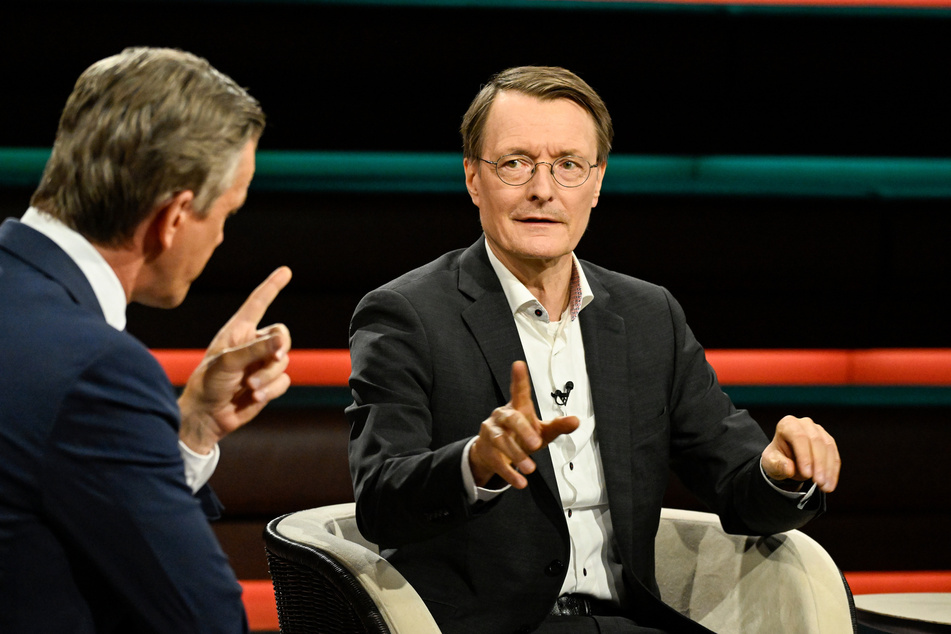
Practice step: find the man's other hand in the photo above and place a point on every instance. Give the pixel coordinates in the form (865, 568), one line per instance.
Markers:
(802, 450)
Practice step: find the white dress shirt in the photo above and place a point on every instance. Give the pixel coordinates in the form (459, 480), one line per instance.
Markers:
(105, 284)
(554, 351)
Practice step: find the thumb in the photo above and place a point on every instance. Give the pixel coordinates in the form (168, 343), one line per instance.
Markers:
(557, 426)
(777, 465)
(258, 350)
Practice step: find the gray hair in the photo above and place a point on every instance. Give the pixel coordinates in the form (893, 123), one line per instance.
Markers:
(138, 128)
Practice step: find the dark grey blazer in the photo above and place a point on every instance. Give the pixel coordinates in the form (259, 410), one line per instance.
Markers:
(432, 354)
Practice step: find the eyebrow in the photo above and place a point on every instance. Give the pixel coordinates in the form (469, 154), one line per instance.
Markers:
(524, 152)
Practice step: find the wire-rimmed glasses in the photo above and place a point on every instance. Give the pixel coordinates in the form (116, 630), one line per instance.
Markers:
(517, 169)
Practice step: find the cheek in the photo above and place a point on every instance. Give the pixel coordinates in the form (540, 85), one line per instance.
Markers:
(581, 216)
(489, 213)
(498, 204)
(202, 251)
(215, 235)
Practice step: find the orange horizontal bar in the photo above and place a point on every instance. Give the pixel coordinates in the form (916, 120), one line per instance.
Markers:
(918, 367)
(899, 581)
(260, 604)
(885, 366)
(780, 367)
(901, 367)
(306, 367)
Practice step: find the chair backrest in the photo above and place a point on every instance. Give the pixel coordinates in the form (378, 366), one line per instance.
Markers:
(734, 583)
(328, 578)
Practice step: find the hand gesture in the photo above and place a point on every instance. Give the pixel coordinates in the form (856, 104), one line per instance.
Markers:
(511, 433)
(243, 369)
(802, 450)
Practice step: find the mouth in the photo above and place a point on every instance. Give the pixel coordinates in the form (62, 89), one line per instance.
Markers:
(537, 221)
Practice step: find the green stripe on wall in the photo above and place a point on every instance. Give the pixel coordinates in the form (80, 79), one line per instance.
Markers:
(839, 395)
(396, 172)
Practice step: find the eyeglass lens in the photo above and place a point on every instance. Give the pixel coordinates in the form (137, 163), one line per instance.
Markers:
(570, 171)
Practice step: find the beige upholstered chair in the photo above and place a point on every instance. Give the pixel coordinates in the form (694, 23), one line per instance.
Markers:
(327, 578)
(733, 583)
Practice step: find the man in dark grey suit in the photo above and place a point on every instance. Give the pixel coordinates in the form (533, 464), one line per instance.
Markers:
(103, 500)
(516, 410)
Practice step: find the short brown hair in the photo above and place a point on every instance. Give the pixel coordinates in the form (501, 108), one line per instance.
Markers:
(543, 82)
(139, 127)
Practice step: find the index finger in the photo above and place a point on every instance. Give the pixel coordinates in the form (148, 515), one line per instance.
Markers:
(521, 390)
(257, 303)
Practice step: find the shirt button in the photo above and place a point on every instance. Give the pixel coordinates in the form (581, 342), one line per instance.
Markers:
(538, 312)
(571, 466)
(584, 571)
(569, 512)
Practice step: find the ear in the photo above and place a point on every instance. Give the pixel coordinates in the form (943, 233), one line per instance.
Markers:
(599, 174)
(472, 179)
(171, 215)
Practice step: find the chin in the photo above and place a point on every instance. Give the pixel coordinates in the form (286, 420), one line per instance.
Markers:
(162, 301)
(544, 251)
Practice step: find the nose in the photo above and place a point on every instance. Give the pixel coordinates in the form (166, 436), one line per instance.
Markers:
(542, 185)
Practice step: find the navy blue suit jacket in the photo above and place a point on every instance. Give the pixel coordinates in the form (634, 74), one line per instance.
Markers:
(98, 530)
(432, 353)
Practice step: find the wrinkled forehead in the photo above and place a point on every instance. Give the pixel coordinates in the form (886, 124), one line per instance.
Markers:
(521, 123)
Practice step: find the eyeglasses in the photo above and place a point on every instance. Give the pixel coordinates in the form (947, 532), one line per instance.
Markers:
(516, 169)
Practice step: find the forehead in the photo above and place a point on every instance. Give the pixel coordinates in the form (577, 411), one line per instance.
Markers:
(521, 123)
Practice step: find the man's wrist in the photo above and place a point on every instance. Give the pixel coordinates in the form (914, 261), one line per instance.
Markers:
(790, 486)
(194, 430)
(198, 467)
(474, 492)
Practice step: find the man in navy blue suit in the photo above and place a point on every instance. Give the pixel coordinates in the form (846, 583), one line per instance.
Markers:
(103, 503)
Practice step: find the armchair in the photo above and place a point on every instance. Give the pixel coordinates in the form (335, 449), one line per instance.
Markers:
(328, 578)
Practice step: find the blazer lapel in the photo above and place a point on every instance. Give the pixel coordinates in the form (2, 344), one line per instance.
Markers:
(489, 318)
(605, 346)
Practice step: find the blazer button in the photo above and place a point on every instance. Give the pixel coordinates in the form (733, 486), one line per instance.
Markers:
(555, 568)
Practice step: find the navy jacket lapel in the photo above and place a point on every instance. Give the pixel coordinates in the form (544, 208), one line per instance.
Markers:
(489, 318)
(40, 252)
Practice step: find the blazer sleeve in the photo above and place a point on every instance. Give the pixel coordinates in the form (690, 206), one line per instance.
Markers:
(716, 449)
(113, 486)
(407, 488)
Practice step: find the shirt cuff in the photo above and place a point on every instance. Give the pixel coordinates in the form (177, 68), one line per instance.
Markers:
(802, 496)
(475, 493)
(198, 467)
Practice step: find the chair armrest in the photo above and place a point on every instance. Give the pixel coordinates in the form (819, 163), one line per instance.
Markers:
(331, 530)
(734, 583)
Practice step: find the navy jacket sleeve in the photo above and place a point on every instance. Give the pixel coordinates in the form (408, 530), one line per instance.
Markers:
(114, 489)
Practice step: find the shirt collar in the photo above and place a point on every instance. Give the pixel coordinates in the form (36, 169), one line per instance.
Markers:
(518, 296)
(104, 281)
